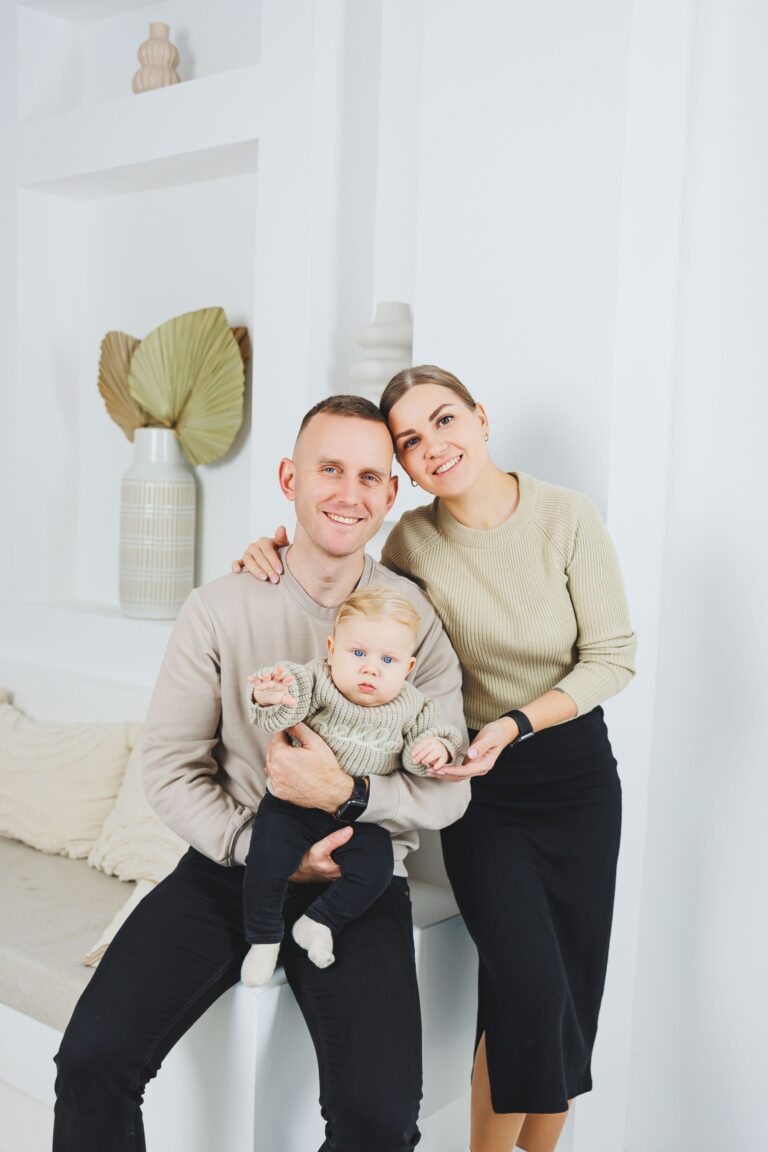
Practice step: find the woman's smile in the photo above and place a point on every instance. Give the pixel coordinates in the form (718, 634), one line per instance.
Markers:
(448, 465)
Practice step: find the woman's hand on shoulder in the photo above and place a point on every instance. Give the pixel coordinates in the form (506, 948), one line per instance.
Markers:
(261, 558)
(484, 750)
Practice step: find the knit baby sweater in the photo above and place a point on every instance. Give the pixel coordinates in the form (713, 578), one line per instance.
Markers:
(371, 741)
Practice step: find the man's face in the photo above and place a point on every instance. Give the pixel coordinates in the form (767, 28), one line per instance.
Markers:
(340, 481)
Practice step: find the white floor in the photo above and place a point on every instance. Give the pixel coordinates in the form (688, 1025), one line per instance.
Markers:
(29, 1122)
(32, 1125)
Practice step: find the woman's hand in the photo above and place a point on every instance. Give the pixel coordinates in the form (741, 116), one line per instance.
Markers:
(484, 750)
(261, 558)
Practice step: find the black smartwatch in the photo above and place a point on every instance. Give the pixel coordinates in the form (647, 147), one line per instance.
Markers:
(524, 726)
(356, 804)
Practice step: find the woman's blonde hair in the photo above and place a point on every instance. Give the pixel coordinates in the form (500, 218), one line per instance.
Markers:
(424, 374)
(379, 604)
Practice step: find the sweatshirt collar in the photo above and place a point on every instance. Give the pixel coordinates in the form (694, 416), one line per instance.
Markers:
(305, 601)
(496, 537)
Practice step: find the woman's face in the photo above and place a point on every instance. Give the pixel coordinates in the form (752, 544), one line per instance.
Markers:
(439, 441)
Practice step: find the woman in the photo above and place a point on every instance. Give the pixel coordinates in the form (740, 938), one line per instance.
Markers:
(527, 584)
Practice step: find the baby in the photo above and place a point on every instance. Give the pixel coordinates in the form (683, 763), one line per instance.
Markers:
(375, 722)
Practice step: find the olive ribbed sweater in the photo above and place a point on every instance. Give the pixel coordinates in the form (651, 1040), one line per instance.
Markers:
(534, 604)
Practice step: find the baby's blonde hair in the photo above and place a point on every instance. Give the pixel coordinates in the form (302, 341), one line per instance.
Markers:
(379, 604)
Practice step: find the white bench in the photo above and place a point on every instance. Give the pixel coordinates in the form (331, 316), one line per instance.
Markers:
(244, 1078)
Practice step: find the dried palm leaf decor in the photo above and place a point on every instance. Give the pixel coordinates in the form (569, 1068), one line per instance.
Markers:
(187, 375)
(177, 394)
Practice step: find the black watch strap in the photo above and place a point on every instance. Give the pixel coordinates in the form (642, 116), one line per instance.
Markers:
(357, 802)
(524, 726)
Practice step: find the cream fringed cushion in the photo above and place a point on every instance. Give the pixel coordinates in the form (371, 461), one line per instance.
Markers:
(139, 891)
(134, 843)
(58, 782)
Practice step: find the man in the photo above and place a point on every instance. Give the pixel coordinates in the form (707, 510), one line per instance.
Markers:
(204, 771)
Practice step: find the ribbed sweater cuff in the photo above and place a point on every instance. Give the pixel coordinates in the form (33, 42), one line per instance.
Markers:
(590, 687)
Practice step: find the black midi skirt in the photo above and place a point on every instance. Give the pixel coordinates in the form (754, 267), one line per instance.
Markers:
(533, 866)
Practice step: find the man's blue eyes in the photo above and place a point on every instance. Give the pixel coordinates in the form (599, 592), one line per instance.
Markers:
(367, 476)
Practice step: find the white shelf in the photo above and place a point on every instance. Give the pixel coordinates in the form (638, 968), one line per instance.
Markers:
(201, 129)
(82, 12)
(86, 638)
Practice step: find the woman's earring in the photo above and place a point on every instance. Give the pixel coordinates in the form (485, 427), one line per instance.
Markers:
(486, 437)
(414, 484)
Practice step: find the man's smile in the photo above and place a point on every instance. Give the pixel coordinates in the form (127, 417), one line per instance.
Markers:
(338, 519)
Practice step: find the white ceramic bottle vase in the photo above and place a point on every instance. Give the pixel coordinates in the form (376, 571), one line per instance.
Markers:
(387, 346)
(159, 60)
(157, 528)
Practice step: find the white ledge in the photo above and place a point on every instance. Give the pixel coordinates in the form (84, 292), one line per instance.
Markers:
(199, 129)
(81, 12)
(85, 639)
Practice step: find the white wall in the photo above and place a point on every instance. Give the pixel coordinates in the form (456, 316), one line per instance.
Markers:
(522, 130)
(699, 1067)
(8, 302)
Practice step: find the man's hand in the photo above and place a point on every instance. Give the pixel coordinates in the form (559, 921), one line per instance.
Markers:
(317, 866)
(308, 776)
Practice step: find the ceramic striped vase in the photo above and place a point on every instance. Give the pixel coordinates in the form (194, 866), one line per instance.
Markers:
(157, 528)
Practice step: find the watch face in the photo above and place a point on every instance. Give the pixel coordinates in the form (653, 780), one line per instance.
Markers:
(350, 810)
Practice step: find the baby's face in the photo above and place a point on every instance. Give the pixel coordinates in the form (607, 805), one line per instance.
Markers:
(370, 659)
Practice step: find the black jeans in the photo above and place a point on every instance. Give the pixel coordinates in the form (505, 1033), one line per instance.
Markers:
(181, 949)
(282, 833)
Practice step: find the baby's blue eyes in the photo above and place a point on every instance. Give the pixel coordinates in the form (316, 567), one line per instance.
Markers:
(358, 653)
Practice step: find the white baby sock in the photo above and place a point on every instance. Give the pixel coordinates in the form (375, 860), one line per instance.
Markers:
(316, 939)
(259, 964)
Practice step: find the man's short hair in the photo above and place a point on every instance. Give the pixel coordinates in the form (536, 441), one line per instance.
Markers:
(378, 603)
(356, 406)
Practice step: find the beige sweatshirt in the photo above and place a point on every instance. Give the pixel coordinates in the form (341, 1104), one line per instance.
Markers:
(204, 761)
(534, 604)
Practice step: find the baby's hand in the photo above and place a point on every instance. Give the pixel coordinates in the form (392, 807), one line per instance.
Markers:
(272, 688)
(431, 752)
